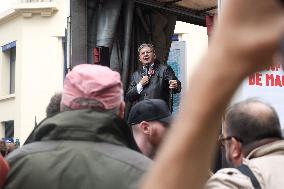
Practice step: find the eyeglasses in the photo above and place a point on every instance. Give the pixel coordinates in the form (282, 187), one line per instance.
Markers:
(223, 139)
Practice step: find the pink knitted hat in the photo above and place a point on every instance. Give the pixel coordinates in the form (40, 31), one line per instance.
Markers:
(89, 81)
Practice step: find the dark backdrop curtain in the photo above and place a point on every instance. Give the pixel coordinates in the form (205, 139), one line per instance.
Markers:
(122, 26)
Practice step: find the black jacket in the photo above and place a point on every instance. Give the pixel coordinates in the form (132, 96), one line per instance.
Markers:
(158, 87)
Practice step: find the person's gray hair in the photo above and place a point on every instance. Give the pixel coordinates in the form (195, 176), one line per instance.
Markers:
(151, 46)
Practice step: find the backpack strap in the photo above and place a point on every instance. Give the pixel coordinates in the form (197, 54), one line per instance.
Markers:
(247, 171)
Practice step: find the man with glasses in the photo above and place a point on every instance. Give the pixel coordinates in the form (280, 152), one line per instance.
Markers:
(154, 80)
(150, 120)
(252, 142)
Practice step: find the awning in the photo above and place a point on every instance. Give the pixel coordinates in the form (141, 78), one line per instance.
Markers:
(192, 11)
(200, 5)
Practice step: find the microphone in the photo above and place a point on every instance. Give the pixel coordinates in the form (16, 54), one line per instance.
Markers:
(145, 70)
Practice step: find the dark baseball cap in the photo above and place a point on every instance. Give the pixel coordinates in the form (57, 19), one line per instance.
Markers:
(150, 110)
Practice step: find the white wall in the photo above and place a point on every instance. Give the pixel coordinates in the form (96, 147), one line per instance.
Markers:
(7, 4)
(39, 66)
(9, 104)
(42, 69)
(196, 39)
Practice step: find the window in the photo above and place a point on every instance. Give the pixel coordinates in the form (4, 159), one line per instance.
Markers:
(12, 70)
(8, 68)
(9, 129)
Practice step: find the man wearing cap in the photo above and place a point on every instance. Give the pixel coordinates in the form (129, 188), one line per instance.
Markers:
(87, 145)
(154, 80)
(149, 120)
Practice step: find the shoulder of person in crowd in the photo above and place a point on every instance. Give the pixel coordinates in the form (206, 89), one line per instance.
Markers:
(229, 178)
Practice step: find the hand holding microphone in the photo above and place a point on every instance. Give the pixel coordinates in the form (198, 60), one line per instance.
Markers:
(144, 81)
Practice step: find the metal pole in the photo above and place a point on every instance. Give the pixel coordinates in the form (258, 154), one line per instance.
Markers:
(68, 37)
(171, 100)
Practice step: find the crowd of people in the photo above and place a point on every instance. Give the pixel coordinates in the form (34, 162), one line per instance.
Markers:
(7, 145)
(85, 141)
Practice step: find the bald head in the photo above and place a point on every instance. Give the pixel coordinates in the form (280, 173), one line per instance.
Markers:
(252, 120)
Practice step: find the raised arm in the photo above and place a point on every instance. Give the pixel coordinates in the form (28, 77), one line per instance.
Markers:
(245, 40)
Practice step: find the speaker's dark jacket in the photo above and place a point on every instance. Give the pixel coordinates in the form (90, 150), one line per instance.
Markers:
(158, 87)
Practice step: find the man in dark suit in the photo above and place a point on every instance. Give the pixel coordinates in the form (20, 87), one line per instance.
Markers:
(154, 80)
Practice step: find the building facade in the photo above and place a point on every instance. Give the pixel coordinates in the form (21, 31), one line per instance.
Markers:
(32, 35)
